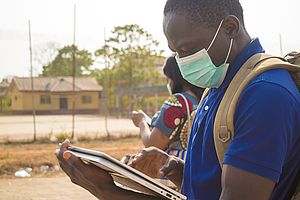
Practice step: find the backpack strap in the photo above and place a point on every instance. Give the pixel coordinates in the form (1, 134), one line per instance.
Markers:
(294, 190)
(223, 124)
(294, 58)
(204, 94)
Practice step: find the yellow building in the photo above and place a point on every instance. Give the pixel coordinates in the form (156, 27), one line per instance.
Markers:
(54, 95)
(4, 101)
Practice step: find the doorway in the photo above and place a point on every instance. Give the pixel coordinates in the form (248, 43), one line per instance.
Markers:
(63, 103)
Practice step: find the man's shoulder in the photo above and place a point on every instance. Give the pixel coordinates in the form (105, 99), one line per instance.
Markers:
(277, 78)
(272, 90)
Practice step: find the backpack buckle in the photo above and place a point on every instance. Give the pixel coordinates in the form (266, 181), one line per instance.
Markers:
(224, 134)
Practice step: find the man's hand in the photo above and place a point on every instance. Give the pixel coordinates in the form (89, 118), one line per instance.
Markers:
(88, 176)
(158, 164)
(95, 180)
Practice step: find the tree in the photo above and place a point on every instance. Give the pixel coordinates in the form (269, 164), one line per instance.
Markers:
(62, 63)
(43, 54)
(132, 56)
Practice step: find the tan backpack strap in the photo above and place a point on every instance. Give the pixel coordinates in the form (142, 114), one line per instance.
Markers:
(223, 125)
(205, 93)
(222, 134)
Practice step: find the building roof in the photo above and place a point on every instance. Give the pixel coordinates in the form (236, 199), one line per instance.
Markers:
(4, 84)
(57, 84)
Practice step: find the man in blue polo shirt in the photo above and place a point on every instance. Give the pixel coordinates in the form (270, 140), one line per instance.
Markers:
(212, 43)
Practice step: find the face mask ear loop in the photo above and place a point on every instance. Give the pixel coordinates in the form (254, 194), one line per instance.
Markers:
(215, 36)
(230, 47)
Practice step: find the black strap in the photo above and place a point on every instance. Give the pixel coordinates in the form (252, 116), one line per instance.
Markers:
(293, 187)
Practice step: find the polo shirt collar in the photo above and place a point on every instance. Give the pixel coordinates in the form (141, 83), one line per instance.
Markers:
(252, 48)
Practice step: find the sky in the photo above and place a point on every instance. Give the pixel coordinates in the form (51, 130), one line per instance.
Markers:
(52, 22)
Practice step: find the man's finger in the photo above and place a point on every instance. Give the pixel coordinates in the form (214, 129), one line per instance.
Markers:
(66, 143)
(77, 163)
(63, 147)
(137, 158)
(168, 168)
(67, 155)
(126, 159)
(70, 157)
(74, 165)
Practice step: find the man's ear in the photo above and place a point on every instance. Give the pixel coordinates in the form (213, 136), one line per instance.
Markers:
(231, 26)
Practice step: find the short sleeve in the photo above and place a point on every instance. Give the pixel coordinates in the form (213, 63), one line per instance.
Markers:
(172, 114)
(264, 125)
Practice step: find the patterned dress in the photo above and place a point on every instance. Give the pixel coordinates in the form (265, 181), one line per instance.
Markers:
(172, 120)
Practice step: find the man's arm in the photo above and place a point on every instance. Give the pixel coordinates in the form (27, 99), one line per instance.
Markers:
(239, 184)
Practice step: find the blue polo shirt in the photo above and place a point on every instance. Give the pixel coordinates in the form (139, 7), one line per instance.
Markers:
(267, 130)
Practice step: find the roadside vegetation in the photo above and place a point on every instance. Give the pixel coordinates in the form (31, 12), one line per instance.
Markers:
(39, 156)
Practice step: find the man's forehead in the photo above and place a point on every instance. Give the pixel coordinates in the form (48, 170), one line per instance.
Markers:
(176, 25)
(178, 29)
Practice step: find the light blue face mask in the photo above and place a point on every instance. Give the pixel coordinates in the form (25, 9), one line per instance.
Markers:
(199, 70)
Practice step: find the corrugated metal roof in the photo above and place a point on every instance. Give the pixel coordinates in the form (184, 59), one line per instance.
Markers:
(57, 84)
(4, 84)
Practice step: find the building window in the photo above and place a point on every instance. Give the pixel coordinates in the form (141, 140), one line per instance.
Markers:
(45, 99)
(86, 99)
(16, 98)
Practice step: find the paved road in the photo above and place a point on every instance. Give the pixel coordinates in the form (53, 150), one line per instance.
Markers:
(84, 124)
(42, 189)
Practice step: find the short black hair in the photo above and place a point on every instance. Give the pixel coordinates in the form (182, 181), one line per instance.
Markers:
(207, 12)
(172, 71)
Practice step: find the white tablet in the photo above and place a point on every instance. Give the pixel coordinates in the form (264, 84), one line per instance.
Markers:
(126, 176)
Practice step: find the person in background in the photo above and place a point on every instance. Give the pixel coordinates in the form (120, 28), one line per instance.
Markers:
(168, 130)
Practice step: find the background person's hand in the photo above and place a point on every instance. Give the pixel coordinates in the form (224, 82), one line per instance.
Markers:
(88, 176)
(137, 117)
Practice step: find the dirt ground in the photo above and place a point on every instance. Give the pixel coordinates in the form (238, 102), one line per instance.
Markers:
(55, 188)
(52, 184)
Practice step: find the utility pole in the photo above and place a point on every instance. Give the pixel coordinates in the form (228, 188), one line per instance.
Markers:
(32, 84)
(280, 43)
(73, 74)
(105, 89)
